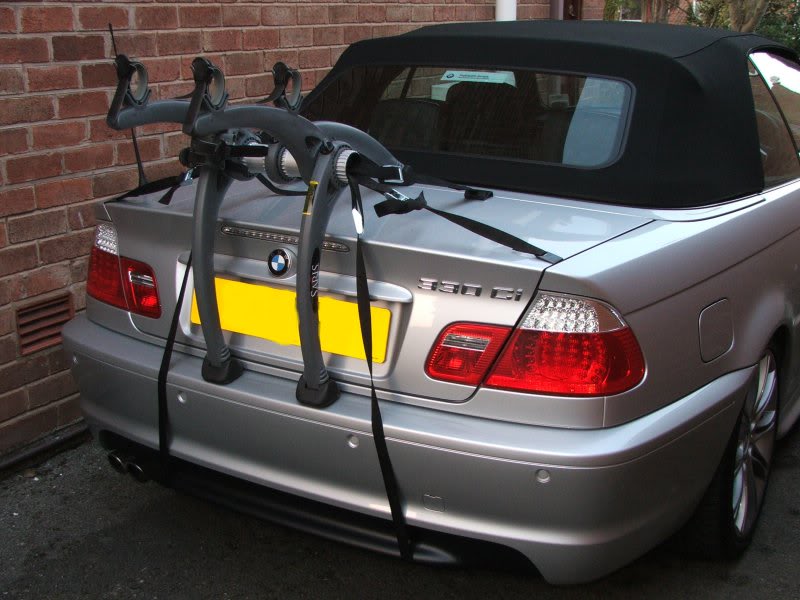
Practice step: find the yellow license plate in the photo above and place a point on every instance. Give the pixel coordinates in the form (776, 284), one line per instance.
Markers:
(271, 314)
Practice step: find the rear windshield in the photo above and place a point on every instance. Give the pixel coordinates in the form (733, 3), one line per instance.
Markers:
(573, 120)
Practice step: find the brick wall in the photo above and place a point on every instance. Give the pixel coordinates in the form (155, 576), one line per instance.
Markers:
(58, 158)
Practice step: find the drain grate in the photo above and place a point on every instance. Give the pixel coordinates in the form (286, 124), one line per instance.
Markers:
(39, 324)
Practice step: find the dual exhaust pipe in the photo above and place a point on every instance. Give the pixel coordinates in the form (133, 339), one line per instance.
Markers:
(127, 463)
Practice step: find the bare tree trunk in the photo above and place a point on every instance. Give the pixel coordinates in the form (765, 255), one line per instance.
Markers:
(745, 15)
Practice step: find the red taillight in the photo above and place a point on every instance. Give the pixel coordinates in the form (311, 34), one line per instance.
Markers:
(574, 364)
(105, 279)
(120, 281)
(465, 351)
(565, 345)
(140, 288)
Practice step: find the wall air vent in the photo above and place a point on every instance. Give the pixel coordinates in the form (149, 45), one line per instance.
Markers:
(39, 324)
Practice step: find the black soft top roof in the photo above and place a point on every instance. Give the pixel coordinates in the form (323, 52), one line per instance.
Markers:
(692, 137)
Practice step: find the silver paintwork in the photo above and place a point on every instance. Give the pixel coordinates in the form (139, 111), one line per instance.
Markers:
(576, 484)
(602, 504)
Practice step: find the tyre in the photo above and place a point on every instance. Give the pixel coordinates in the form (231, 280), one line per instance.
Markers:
(725, 520)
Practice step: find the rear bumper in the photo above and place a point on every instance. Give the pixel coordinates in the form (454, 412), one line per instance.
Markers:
(577, 503)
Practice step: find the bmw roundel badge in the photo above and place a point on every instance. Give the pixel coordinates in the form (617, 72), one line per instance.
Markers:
(279, 262)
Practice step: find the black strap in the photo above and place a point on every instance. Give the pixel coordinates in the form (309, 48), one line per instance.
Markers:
(365, 170)
(402, 205)
(163, 412)
(276, 190)
(166, 183)
(389, 479)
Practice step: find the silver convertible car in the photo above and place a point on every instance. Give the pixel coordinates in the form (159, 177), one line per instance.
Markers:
(521, 289)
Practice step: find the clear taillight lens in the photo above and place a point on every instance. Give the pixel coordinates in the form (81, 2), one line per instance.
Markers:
(567, 345)
(122, 282)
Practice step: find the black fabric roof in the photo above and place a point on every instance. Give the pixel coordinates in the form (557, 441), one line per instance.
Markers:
(692, 137)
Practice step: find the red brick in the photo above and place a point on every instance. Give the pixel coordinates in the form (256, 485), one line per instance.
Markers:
(88, 158)
(66, 191)
(343, 13)
(156, 17)
(28, 427)
(246, 16)
(101, 74)
(69, 410)
(3, 235)
(116, 182)
(11, 81)
(297, 36)
(14, 403)
(444, 13)
(41, 79)
(149, 148)
(8, 22)
(40, 19)
(179, 42)
(21, 372)
(66, 247)
(169, 90)
(222, 39)
(78, 269)
(56, 359)
(259, 85)
(164, 69)
(18, 258)
(37, 225)
(79, 47)
(57, 135)
(384, 30)
(164, 169)
(175, 142)
(98, 17)
(13, 141)
(40, 281)
(422, 14)
(336, 53)
(81, 216)
(83, 104)
(260, 39)
(235, 87)
(137, 44)
(315, 57)
(356, 33)
(23, 49)
(371, 13)
(276, 14)
(99, 131)
(9, 351)
(30, 168)
(200, 16)
(284, 55)
(242, 63)
(398, 13)
(7, 320)
(26, 109)
(16, 201)
(328, 36)
(312, 15)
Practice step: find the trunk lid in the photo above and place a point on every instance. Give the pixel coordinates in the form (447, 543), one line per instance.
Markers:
(425, 271)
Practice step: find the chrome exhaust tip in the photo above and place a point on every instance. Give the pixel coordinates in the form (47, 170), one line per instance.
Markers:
(118, 461)
(137, 472)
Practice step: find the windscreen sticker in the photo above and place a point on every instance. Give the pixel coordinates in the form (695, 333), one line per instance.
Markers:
(481, 76)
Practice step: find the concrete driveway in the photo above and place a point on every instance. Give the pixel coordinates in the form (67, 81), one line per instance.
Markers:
(73, 528)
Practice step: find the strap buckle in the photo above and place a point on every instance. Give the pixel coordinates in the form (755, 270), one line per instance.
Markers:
(399, 180)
